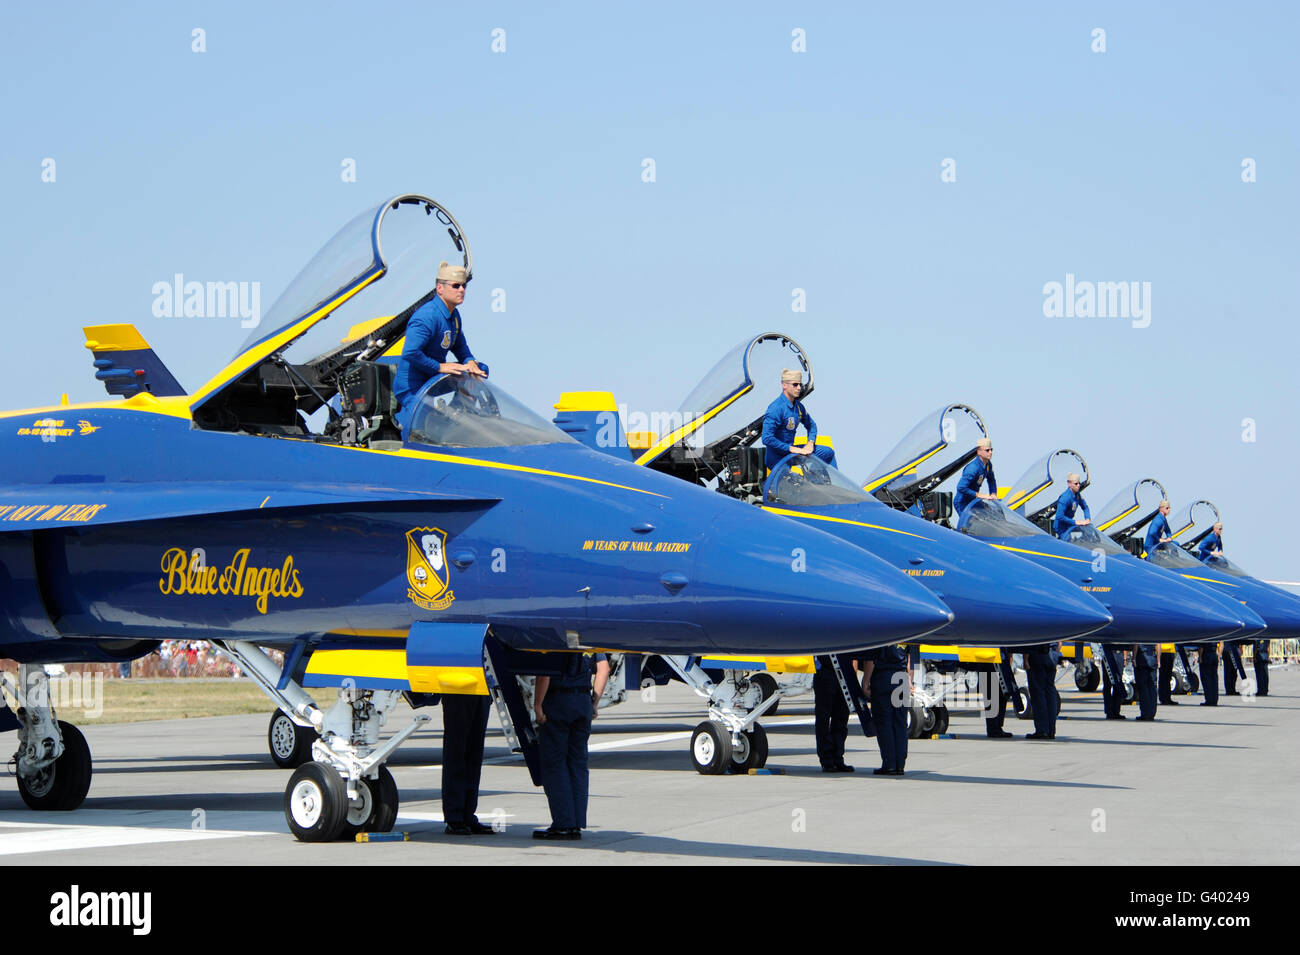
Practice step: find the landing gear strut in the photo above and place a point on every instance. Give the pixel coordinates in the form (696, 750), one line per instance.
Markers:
(53, 762)
(731, 740)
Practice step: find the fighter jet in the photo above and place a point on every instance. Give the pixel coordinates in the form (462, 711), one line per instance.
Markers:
(278, 506)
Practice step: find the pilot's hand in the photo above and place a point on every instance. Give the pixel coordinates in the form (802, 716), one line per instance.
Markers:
(1083, 522)
(472, 367)
(987, 497)
(801, 449)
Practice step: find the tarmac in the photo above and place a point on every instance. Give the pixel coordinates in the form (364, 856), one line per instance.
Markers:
(1199, 786)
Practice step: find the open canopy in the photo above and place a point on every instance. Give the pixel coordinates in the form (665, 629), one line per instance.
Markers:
(1193, 523)
(381, 265)
(1034, 494)
(731, 400)
(1131, 509)
(940, 445)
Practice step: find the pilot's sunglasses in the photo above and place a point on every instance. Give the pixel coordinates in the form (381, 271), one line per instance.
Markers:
(457, 285)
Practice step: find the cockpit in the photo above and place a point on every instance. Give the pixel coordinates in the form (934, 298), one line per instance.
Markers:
(467, 412)
(1086, 536)
(993, 520)
(807, 481)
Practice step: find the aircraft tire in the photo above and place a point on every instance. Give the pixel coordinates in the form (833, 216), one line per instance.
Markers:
(1130, 693)
(62, 787)
(766, 684)
(1028, 712)
(916, 720)
(316, 803)
(752, 753)
(1087, 682)
(376, 807)
(289, 743)
(711, 749)
(941, 719)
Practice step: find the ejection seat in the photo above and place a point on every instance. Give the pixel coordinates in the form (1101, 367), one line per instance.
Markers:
(367, 393)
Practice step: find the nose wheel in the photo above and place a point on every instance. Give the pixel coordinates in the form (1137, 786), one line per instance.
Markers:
(62, 784)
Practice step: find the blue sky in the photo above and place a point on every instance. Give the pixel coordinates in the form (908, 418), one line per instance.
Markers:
(775, 170)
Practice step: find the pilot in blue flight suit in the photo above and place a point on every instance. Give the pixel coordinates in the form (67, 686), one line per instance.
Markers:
(1208, 654)
(831, 714)
(1069, 501)
(976, 473)
(887, 683)
(783, 417)
(1040, 667)
(1212, 544)
(565, 705)
(433, 330)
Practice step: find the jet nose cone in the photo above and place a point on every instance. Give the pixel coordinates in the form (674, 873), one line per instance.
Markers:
(1159, 609)
(796, 590)
(1008, 601)
(1253, 623)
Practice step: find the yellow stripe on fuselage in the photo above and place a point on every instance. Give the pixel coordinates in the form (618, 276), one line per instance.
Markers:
(686, 429)
(176, 406)
(1207, 580)
(378, 664)
(1039, 553)
(840, 520)
(906, 467)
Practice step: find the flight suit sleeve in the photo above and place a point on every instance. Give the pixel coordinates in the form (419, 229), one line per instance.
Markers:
(1087, 513)
(770, 422)
(460, 347)
(419, 332)
(810, 426)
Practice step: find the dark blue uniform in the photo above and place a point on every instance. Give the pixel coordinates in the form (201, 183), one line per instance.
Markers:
(1144, 673)
(1165, 686)
(1158, 528)
(891, 697)
(1209, 544)
(782, 419)
(464, 723)
(830, 713)
(1231, 667)
(1041, 670)
(1112, 682)
(968, 485)
(431, 332)
(1066, 505)
(563, 739)
(1002, 680)
(1209, 666)
(1261, 667)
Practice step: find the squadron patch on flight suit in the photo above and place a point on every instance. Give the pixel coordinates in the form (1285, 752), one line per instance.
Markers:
(446, 339)
(789, 424)
(426, 568)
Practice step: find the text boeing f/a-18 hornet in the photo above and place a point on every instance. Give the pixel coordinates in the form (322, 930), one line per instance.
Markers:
(279, 506)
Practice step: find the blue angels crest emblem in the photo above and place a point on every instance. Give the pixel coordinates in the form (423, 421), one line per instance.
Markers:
(446, 339)
(427, 577)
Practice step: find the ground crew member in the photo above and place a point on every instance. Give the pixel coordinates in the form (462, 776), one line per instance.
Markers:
(1112, 688)
(1261, 667)
(1166, 678)
(1041, 670)
(1212, 545)
(887, 683)
(1069, 501)
(1158, 531)
(564, 706)
(1232, 667)
(1208, 664)
(433, 330)
(1145, 665)
(464, 723)
(976, 473)
(783, 417)
(831, 714)
(1001, 682)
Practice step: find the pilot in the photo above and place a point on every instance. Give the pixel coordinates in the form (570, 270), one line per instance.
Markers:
(564, 706)
(433, 330)
(784, 415)
(887, 684)
(464, 723)
(1000, 683)
(976, 473)
(1212, 545)
(1040, 667)
(1208, 663)
(831, 715)
(1112, 681)
(1158, 531)
(1145, 665)
(1069, 501)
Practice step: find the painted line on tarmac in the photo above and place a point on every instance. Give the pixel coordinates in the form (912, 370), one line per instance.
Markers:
(104, 828)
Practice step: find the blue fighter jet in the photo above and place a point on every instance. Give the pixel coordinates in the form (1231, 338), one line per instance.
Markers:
(278, 506)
